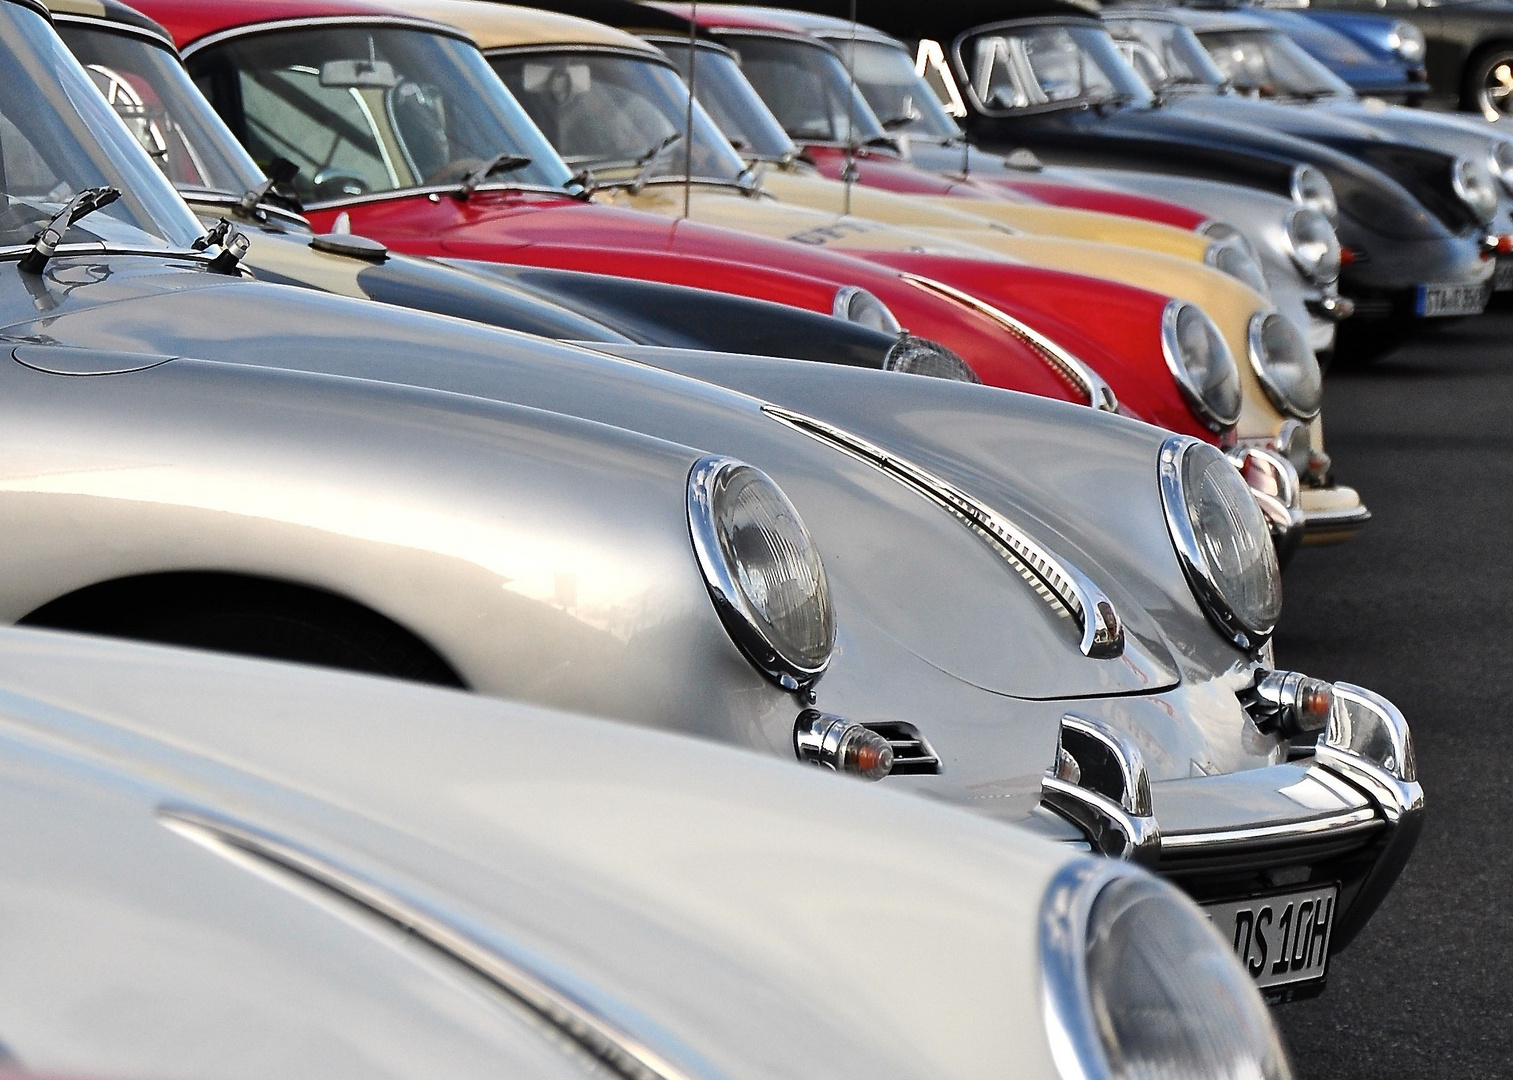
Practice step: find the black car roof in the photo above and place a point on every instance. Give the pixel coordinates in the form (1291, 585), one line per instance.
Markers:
(622, 14)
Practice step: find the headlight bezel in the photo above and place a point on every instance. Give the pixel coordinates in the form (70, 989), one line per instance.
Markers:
(1407, 41)
(1265, 366)
(1248, 272)
(1310, 187)
(1325, 270)
(708, 480)
(1475, 188)
(854, 304)
(1065, 936)
(1214, 415)
(1246, 632)
(1500, 163)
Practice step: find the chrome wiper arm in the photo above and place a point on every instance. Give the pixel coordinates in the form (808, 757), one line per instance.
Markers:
(45, 243)
(500, 163)
(648, 159)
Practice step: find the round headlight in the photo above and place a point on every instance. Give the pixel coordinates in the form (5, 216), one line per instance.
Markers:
(1221, 540)
(1406, 40)
(1500, 161)
(1312, 243)
(1237, 261)
(1285, 365)
(763, 570)
(1310, 187)
(921, 356)
(1473, 183)
(1139, 984)
(855, 304)
(1201, 363)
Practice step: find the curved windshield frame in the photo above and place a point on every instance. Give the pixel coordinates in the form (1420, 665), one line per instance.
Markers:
(372, 110)
(1269, 64)
(807, 88)
(621, 115)
(731, 101)
(151, 92)
(1045, 65)
(58, 137)
(1167, 55)
(899, 96)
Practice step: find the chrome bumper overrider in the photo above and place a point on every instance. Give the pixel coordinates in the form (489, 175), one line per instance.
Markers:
(1346, 810)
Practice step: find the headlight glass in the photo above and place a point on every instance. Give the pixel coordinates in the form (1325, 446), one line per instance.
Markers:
(1221, 540)
(1236, 260)
(921, 356)
(1473, 183)
(1201, 363)
(855, 304)
(1168, 997)
(1310, 187)
(1313, 245)
(1285, 365)
(1407, 41)
(1500, 161)
(763, 570)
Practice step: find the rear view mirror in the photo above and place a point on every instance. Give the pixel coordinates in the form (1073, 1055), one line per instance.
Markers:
(561, 80)
(345, 74)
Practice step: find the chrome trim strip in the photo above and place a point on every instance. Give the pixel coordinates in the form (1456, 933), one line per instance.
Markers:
(99, 247)
(103, 21)
(401, 22)
(1098, 393)
(434, 189)
(1349, 822)
(650, 53)
(1062, 586)
(524, 978)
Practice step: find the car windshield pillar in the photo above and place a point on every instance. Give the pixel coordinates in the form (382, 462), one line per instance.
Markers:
(58, 137)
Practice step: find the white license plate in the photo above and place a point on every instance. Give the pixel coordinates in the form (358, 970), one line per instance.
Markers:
(1435, 301)
(1502, 277)
(1282, 938)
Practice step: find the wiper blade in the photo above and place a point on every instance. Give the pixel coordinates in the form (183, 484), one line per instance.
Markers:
(500, 163)
(648, 159)
(45, 243)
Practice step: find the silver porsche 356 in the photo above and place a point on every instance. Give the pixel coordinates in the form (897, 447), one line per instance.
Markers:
(1056, 617)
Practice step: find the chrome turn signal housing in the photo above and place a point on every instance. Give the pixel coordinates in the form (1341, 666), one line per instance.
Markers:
(1291, 703)
(841, 745)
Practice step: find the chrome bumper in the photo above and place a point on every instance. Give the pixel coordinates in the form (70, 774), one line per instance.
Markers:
(1346, 810)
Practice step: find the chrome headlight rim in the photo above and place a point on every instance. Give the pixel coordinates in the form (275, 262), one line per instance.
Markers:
(1066, 936)
(855, 304)
(1310, 187)
(1248, 272)
(1475, 188)
(1500, 162)
(1407, 41)
(777, 660)
(1171, 349)
(1261, 362)
(1325, 270)
(1248, 634)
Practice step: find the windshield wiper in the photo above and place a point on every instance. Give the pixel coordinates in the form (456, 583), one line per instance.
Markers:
(500, 163)
(45, 243)
(648, 159)
(585, 181)
(280, 171)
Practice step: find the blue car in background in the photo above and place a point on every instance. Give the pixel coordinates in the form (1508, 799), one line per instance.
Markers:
(1378, 55)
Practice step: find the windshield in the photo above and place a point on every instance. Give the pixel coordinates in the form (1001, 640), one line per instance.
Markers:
(366, 110)
(1049, 65)
(900, 97)
(1269, 64)
(1166, 55)
(59, 137)
(807, 88)
(613, 113)
(732, 102)
(152, 94)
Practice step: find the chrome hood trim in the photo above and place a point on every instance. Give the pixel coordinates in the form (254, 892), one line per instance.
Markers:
(524, 978)
(1062, 586)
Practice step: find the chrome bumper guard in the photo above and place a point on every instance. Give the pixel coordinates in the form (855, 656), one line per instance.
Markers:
(1274, 482)
(1360, 779)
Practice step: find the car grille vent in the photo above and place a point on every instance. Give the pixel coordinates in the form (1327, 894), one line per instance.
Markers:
(912, 756)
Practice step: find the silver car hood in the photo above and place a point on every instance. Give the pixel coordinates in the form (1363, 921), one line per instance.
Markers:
(896, 560)
(738, 917)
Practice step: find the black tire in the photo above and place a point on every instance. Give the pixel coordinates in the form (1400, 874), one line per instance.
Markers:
(1489, 81)
(249, 617)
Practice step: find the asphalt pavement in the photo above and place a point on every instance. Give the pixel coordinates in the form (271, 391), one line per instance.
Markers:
(1420, 607)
